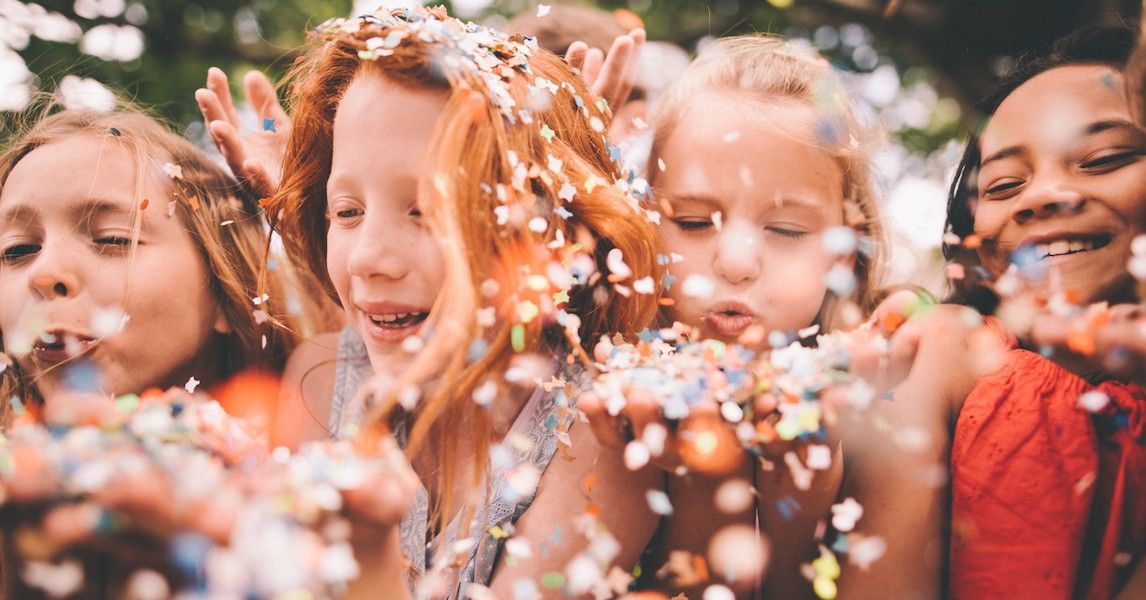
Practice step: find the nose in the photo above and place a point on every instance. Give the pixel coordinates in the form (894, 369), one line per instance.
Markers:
(1045, 197)
(738, 251)
(53, 274)
(378, 251)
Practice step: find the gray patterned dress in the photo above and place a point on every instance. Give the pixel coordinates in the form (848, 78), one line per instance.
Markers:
(536, 423)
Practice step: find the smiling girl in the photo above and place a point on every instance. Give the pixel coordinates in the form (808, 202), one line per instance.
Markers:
(455, 185)
(1047, 459)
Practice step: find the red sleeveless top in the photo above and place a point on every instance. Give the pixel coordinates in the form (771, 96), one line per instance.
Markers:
(1048, 499)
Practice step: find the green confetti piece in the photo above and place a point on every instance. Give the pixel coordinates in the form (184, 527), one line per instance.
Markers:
(126, 403)
(552, 580)
(517, 337)
(547, 133)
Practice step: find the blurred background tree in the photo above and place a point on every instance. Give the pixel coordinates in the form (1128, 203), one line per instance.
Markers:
(914, 67)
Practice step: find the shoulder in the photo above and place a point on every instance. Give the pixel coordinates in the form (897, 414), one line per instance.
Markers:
(307, 390)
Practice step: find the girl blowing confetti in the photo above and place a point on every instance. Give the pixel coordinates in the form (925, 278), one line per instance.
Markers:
(130, 261)
(769, 214)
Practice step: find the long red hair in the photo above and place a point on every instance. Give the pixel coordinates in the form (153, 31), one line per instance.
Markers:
(520, 131)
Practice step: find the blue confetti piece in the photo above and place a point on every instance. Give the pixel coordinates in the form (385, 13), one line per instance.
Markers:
(788, 507)
(551, 422)
(478, 348)
(269, 125)
(668, 280)
(82, 376)
(615, 154)
(840, 546)
(189, 552)
(646, 335)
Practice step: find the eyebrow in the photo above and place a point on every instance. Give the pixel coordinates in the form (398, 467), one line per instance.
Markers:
(1091, 129)
(697, 197)
(99, 207)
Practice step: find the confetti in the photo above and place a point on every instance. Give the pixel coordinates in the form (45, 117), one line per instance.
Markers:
(659, 502)
(698, 286)
(173, 171)
(542, 10)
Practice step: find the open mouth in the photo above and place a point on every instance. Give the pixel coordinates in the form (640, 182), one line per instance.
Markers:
(397, 320)
(1066, 247)
(57, 346)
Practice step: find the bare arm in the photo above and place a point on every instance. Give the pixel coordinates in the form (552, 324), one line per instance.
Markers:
(897, 464)
(563, 499)
(307, 392)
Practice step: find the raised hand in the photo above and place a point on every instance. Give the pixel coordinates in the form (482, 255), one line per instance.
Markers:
(610, 76)
(255, 157)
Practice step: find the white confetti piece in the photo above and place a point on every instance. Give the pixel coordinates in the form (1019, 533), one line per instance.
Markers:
(840, 280)
(659, 502)
(644, 285)
(733, 496)
(173, 171)
(542, 10)
(819, 457)
(840, 241)
(1093, 401)
(845, 514)
(538, 225)
(731, 412)
(654, 436)
(191, 385)
(615, 262)
(698, 286)
(636, 455)
(485, 393)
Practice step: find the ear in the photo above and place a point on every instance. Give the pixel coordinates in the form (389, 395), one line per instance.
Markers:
(222, 324)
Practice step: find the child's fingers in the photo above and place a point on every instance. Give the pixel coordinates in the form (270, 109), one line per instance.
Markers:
(381, 499)
(209, 105)
(591, 66)
(575, 56)
(70, 524)
(217, 82)
(261, 94)
(256, 177)
(604, 425)
(227, 139)
(611, 81)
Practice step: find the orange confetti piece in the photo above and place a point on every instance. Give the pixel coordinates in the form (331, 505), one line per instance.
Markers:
(264, 202)
(143, 205)
(972, 242)
(593, 510)
(666, 301)
(194, 202)
(890, 321)
(589, 481)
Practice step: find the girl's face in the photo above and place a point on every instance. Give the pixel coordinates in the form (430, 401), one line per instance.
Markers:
(1063, 180)
(750, 202)
(70, 277)
(384, 262)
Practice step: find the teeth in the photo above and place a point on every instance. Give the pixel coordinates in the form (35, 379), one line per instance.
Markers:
(1061, 247)
(390, 318)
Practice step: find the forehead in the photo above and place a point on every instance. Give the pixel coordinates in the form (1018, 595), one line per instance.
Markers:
(1053, 107)
(775, 143)
(71, 172)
